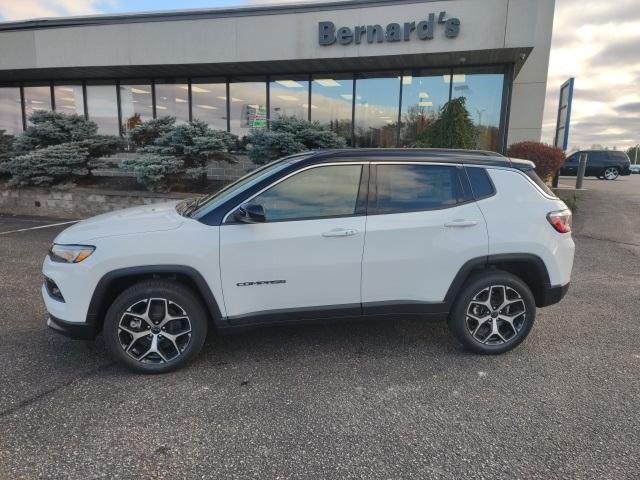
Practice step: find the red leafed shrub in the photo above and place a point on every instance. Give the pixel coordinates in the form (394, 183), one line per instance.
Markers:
(548, 159)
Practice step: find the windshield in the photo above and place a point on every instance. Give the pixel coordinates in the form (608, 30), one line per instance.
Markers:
(196, 207)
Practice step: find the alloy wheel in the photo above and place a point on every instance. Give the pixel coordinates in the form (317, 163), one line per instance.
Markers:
(496, 315)
(154, 330)
(611, 173)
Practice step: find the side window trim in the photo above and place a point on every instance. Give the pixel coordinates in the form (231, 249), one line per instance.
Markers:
(364, 167)
(373, 190)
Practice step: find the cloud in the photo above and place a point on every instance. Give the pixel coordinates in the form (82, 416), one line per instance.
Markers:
(597, 43)
(30, 9)
(633, 107)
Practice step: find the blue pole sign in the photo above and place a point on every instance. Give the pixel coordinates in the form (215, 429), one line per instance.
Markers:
(561, 138)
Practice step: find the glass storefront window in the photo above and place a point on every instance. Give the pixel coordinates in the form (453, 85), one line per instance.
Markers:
(36, 98)
(376, 110)
(331, 103)
(103, 107)
(423, 95)
(69, 99)
(209, 103)
(10, 110)
(248, 104)
(289, 97)
(172, 100)
(136, 104)
(482, 93)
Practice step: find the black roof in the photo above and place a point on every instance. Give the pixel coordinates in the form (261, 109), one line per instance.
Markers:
(466, 157)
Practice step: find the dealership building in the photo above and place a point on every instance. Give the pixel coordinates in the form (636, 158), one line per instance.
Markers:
(375, 71)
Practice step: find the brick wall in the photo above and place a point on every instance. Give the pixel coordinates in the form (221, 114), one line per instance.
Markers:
(75, 203)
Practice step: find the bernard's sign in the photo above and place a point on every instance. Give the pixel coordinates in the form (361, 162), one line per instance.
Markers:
(328, 34)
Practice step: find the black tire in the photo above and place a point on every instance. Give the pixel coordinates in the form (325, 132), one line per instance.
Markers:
(181, 301)
(460, 324)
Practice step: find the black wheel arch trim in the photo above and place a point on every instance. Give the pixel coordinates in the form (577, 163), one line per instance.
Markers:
(487, 261)
(548, 294)
(96, 311)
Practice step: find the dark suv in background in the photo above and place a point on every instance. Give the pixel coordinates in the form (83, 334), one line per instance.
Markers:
(607, 164)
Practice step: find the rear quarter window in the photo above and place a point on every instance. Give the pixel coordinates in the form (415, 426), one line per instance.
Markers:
(619, 157)
(481, 184)
(531, 173)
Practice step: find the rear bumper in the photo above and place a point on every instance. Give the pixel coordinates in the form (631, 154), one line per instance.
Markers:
(78, 331)
(553, 294)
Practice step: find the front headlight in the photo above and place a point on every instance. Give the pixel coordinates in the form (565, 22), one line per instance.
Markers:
(70, 253)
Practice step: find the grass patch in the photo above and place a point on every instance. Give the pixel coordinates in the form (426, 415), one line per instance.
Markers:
(570, 197)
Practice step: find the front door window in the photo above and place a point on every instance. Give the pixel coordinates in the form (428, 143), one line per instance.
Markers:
(321, 192)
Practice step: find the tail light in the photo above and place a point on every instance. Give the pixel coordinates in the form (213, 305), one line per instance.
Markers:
(560, 220)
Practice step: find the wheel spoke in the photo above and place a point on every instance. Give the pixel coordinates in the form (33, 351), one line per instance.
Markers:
(480, 320)
(475, 331)
(510, 319)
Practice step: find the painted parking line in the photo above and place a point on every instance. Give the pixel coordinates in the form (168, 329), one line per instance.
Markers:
(39, 227)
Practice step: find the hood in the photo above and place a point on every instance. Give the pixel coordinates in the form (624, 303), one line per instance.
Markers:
(146, 218)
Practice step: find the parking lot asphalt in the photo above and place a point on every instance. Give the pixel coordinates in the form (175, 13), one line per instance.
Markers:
(372, 399)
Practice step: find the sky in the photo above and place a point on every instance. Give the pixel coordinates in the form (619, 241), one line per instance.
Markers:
(595, 41)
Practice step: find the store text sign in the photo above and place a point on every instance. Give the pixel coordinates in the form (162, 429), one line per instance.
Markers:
(328, 33)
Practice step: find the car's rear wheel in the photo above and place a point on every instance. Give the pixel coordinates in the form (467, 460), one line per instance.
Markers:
(155, 326)
(493, 314)
(610, 173)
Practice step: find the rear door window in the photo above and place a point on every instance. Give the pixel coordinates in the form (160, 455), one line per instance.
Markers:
(408, 188)
(596, 158)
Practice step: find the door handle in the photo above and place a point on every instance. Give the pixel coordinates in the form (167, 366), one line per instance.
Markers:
(340, 232)
(461, 223)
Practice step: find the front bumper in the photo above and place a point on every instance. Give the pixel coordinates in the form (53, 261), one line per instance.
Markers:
(552, 294)
(78, 331)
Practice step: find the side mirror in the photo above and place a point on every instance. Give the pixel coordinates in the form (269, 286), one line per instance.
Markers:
(250, 213)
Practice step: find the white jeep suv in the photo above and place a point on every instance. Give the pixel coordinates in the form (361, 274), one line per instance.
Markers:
(467, 236)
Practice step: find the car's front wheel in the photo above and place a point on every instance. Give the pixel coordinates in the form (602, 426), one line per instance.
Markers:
(493, 314)
(610, 173)
(155, 326)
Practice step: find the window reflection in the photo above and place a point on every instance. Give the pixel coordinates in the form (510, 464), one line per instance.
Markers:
(289, 97)
(37, 98)
(482, 90)
(376, 110)
(103, 108)
(69, 98)
(10, 110)
(314, 193)
(209, 103)
(136, 104)
(407, 188)
(331, 98)
(248, 105)
(422, 98)
(172, 100)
